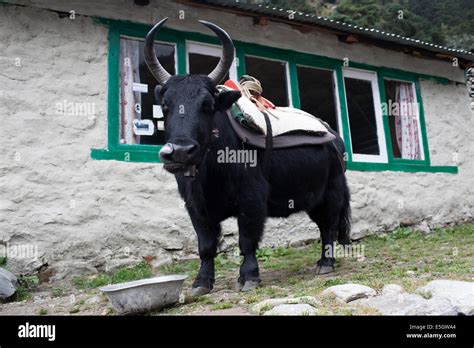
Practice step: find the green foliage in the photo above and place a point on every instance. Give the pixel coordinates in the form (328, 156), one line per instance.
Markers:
(220, 306)
(266, 254)
(332, 282)
(190, 267)
(426, 294)
(399, 233)
(26, 285)
(140, 271)
(3, 261)
(437, 21)
(295, 5)
(442, 22)
(58, 291)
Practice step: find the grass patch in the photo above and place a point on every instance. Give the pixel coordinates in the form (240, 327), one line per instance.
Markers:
(140, 271)
(404, 257)
(425, 294)
(332, 282)
(225, 262)
(58, 291)
(221, 306)
(266, 254)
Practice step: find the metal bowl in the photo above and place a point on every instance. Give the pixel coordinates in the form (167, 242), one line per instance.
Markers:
(145, 295)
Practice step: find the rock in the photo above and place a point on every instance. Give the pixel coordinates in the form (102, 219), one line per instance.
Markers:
(173, 245)
(8, 284)
(408, 304)
(423, 227)
(459, 294)
(74, 310)
(165, 260)
(26, 265)
(298, 243)
(407, 222)
(349, 292)
(229, 311)
(292, 309)
(39, 299)
(107, 311)
(267, 305)
(93, 299)
(410, 273)
(392, 289)
(439, 297)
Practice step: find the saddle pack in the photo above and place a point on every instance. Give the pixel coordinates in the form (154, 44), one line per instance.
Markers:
(255, 119)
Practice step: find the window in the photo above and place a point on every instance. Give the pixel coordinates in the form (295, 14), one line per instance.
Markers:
(202, 59)
(273, 75)
(365, 116)
(135, 133)
(402, 109)
(139, 120)
(317, 94)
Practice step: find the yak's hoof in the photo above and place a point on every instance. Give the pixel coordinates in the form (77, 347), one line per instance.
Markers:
(248, 285)
(200, 290)
(324, 269)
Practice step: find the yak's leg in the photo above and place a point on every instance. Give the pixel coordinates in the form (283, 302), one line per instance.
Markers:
(326, 263)
(324, 218)
(250, 231)
(207, 233)
(251, 221)
(327, 216)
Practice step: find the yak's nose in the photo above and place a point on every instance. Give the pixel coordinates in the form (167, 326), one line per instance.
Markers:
(178, 153)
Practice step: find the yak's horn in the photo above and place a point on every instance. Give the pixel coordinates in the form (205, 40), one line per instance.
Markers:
(223, 67)
(157, 70)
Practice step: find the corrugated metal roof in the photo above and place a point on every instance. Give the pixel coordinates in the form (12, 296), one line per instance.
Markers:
(312, 19)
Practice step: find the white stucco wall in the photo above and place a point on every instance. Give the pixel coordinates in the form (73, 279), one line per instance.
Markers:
(82, 215)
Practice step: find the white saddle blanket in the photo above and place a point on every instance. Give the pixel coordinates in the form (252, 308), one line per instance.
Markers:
(283, 119)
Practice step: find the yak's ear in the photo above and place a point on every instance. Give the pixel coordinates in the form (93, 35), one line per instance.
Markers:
(225, 99)
(158, 94)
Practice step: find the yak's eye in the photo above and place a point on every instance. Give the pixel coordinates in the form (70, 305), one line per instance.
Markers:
(208, 107)
(164, 108)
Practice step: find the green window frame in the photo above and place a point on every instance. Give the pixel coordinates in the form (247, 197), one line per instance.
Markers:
(149, 153)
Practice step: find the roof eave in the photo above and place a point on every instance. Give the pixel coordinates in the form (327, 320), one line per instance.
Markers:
(339, 28)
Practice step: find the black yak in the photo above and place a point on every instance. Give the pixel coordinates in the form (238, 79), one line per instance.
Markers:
(306, 178)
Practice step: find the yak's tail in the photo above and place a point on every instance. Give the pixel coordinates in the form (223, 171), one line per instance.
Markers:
(344, 229)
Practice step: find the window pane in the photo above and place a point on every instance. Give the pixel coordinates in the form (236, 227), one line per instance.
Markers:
(363, 127)
(272, 76)
(402, 110)
(137, 87)
(203, 64)
(317, 94)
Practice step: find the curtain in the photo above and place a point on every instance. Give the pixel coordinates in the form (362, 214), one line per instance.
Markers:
(470, 85)
(129, 74)
(406, 122)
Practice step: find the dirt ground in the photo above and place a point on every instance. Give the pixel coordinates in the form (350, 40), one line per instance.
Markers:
(404, 257)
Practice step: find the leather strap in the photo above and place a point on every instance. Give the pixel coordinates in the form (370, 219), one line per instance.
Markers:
(268, 147)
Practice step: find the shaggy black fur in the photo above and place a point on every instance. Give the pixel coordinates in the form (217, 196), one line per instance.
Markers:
(309, 178)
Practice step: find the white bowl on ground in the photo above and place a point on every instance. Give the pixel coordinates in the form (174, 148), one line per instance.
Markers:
(145, 295)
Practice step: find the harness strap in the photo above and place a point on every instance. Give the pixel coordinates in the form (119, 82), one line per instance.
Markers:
(268, 147)
(340, 157)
